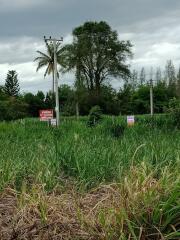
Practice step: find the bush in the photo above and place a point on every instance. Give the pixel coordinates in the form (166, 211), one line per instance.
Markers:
(95, 115)
(117, 130)
(174, 109)
(158, 120)
(68, 110)
(13, 109)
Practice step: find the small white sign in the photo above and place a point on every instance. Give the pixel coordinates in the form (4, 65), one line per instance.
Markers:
(53, 122)
(130, 120)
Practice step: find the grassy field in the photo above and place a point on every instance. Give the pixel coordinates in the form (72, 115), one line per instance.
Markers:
(125, 187)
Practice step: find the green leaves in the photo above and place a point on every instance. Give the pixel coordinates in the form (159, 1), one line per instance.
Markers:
(96, 53)
(11, 87)
(47, 59)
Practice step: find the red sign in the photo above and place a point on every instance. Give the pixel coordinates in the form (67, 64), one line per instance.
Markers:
(46, 114)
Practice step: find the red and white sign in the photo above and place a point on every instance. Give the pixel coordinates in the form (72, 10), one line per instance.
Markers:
(46, 114)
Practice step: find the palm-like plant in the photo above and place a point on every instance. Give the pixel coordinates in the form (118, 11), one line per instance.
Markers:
(47, 60)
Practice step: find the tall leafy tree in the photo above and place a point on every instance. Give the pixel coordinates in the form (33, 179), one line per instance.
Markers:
(47, 60)
(11, 87)
(170, 73)
(134, 79)
(97, 54)
(41, 96)
(125, 99)
(178, 84)
(142, 76)
(158, 76)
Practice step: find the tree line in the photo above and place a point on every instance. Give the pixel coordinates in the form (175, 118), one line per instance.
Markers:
(96, 57)
(131, 98)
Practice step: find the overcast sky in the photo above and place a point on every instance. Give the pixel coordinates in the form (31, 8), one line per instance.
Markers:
(151, 25)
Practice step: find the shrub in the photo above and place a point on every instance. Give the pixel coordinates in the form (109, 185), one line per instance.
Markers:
(158, 120)
(68, 110)
(12, 109)
(117, 130)
(95, 115)
(174, 109)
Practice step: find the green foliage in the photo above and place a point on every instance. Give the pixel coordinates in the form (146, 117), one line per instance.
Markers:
(147, 206)
(125, 96)
(117, 130)
(160, 121)
(11, 87)
(96, 53)
(90, 155)
(137, 101)
(95, 115)
(47, 60)
(35, 103)
(174, 109)
(13, 109)
(66, 100)
(138, 196)
(3, 96)
(132, 98)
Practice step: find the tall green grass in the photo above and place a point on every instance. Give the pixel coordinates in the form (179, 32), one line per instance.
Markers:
(140, 167)
(35, 153)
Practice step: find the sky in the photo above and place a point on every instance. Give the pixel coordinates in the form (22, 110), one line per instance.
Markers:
(152, 26)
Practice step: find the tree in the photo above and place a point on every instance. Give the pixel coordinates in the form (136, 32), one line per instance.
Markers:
(96, 54)
(47, 60)
(178, 84)
(35, 103)
(49, 100)
(142, 76)
(66, 98)
(80, 91)
(170, 73)
(3, 96)
(11, 87)
(140, 99)
(125, 99)
(41, 96)
(161, 97)
(134, 79)
(158, 76)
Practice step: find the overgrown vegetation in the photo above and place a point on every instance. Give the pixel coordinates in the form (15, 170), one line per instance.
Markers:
(118, 186)
(174, 109)
(95, 115)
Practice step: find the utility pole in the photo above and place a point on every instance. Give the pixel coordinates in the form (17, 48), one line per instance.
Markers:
(54, 42)
(151, 97)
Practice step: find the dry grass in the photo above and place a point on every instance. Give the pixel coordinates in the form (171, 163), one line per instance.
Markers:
(130, 210)
(64, 216)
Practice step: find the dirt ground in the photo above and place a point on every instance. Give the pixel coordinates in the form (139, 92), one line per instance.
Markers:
(55, 216)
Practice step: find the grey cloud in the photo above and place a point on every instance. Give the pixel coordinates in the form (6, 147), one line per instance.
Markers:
(151, 25)
(30, 80)
(17, 5)
(19, 50)
(52, 17)
(22, 49)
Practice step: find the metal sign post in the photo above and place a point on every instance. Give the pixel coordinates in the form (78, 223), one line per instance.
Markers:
(151, 98)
